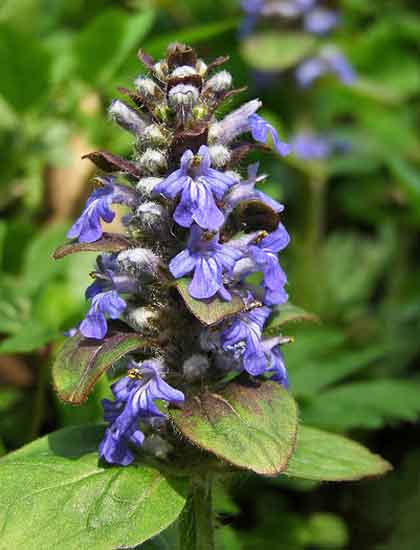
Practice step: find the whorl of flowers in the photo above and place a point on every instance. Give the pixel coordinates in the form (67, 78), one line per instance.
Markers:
(197, 229)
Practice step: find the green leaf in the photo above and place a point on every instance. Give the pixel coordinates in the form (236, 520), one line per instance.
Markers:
(407, 177)
(252, 427)
(30, 337)
(81, 361)
(372, 404)
(209, 312)
(322, 456)
(284, 314)
(105, 44)
(280, 50)
(55, 488)
(39, 266)
(25, 69)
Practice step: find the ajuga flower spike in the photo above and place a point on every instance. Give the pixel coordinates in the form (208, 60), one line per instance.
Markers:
(197, 228)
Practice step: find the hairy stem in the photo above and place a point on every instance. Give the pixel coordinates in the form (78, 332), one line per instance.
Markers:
(196, 524)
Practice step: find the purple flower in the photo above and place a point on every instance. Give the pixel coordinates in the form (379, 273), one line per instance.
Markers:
(308, 146)
(134, 401)
(103, 304)
(87, 228)
(198, 185)
(245, 190)
(275, 359)
(252, 9)
(235, 123)
(329, 61)
(243, 339)
(264, 254)
(287, 8)
(321, 21)
(209, 260)
(260, 130)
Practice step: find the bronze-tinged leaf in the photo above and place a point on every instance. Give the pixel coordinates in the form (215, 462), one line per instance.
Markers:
(110, 242)
(81, 361)
(249, 425)
(112, 163)
(146, 59)
(241, 151)
(179, 55)
(192, 80)
(216, 99)
(217, 62)
(139, 100)
(213, 311)
(255, 215)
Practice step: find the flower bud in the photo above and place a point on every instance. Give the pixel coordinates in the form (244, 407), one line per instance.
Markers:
(152, 217)
(183, 96)
(141, 262)
(219, 155)
(126, 117)
(142, 319)
(220, 82)
(184, 71)
(153, 135)
(195, 367)
(157, 446)
(201, 67)
(145, 86)
(234, 124)
(145, 186)
(161, 70)
(153, 162)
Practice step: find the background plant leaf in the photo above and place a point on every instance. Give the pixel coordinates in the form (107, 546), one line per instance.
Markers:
(327, 457)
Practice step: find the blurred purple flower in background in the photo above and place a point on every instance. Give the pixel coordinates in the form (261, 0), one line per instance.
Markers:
(328, 61)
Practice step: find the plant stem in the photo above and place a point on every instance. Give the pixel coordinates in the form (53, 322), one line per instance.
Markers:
(310, 266)
(196, 523)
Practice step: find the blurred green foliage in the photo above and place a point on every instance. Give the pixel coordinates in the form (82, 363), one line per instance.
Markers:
(354, 221)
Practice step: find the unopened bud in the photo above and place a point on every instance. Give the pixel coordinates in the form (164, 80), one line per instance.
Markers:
(201, 67)
(153, 134)
(183, 96)
(140, 262)
(220, 82)
(195, 367)
(184, 71)
(145, 186)
(161, 70)
(152, 217)
(126, 117)
(156, 446)
(219, 155)
(145, 86)
(153, 162)
(142, 319)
